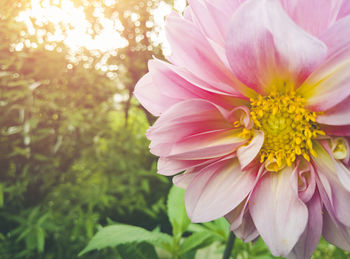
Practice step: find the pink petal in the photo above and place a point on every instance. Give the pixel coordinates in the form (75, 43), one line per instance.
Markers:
(217, 189)
(203, 146)
(309, 240)
(151, 98)
(314, 16)
(187, 118)
(181, 84)
(221, 14)
(227, 6)
(337, 116)
(306, 180)
(183, 180)
(241, 114)
(343, 174)
(336, 130)
(337, 37)
(333, 193)
(329, 84)
(263, 53)
(169, 83)
(192, 130)
(167, 166)
(335, 232)
(278, 213)
(193, 52)
(246, 154)
(344, 10)
(204, 19)
(235, 217)
(188, 13)
(247, 230)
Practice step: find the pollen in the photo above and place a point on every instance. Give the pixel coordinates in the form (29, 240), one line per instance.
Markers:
(288, 128)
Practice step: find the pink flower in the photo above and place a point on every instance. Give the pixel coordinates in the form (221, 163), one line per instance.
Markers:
(254, 106)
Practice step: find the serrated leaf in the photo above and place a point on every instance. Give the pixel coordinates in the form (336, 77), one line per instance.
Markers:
(112, 236)
(176, 210)
(196, 241)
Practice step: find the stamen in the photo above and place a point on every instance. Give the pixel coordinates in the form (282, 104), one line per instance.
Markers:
(288, 127)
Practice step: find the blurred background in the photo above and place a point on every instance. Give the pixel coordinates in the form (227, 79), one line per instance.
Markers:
(73, 152)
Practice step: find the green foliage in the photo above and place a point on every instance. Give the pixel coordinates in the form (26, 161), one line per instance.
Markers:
(177, 212)
(71, 156)
(115, 235)
(73, 151)
(139, 251)
(177, 245)
(183, 245)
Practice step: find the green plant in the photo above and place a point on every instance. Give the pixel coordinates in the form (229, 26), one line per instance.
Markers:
(177, 244)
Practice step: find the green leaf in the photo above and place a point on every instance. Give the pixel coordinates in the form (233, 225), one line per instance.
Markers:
(189, 255)
(139, 251)
(115, 235)
(40, 240)
(176, 211)
(219, 228)
(196, 241)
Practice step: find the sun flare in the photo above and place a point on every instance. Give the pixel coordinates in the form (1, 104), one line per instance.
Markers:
(74, 29)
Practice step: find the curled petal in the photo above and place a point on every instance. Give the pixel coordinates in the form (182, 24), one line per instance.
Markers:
(217, 189)
(278, 213)
(246, 154)
(341, 149)
(306, 180)
(242, 115)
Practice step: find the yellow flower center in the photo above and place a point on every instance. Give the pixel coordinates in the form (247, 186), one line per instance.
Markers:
(288, 128)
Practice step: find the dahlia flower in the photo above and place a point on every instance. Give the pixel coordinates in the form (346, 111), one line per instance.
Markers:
(254, 118)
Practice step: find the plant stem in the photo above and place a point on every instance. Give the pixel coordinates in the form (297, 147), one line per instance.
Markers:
(229, 245)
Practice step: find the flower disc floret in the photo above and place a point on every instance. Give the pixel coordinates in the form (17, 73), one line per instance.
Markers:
(288, 128)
